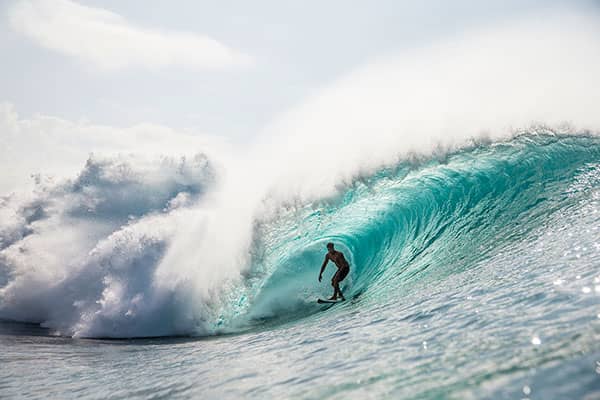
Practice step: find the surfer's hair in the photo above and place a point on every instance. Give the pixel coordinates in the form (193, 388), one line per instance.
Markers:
(330, 245)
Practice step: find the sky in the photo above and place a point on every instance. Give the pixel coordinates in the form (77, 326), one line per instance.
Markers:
(105, 70)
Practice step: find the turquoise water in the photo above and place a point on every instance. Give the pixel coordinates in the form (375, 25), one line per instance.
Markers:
(474, 274)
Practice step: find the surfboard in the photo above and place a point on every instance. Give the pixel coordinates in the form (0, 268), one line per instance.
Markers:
(321, 301)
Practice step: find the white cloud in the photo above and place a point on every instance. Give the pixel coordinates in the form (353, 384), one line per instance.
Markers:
(109, 41)
(57, 147)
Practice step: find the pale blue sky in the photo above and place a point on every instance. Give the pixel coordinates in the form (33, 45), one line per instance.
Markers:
(295, 48)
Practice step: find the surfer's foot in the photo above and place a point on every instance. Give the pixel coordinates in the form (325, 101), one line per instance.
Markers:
(333, 298)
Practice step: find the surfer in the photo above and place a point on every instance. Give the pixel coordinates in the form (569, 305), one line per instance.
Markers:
(343, 268)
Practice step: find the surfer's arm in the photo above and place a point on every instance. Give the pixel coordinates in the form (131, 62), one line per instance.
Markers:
(323, 267)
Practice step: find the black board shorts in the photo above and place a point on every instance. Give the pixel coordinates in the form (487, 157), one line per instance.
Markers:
(341, 274)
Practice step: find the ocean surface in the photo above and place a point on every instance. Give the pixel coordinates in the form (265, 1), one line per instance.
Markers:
(475, 274)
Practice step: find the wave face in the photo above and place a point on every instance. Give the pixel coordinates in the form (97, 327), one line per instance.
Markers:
(421, 221)
(87, 257)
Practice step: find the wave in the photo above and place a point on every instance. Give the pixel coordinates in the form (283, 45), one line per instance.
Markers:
(102, 255)
(419, 221)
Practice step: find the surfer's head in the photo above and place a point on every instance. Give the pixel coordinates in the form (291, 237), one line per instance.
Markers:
(330, 246)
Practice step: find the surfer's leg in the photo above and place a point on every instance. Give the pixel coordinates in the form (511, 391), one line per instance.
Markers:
(339, 276)
(335, 282)
(336, 287)
(334, 297)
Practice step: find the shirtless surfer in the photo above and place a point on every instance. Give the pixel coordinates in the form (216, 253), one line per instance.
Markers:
(343, 268)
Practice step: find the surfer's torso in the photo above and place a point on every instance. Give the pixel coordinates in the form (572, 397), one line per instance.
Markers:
(338, 259)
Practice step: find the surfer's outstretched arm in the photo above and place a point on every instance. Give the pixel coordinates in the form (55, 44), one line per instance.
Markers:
(323, 267)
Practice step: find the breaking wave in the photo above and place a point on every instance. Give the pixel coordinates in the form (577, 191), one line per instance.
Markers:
(139, 248)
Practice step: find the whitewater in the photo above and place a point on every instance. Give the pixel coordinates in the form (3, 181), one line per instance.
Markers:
(466, 199)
